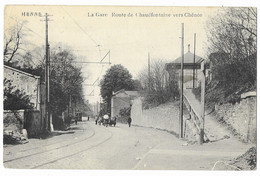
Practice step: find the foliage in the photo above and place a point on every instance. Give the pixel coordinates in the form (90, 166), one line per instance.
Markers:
(161, 88)
(15, 99)
(115, 79)
(246, 161)
(65, 81)
(232, 36)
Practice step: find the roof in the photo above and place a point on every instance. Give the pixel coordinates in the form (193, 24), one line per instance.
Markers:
(129, 93)
(188, 58)
(132, 93)
(22, 72)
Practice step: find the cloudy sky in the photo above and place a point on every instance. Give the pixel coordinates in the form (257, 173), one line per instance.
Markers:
(92, 31)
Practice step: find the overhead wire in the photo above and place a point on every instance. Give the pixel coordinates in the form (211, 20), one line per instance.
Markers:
(96, 44)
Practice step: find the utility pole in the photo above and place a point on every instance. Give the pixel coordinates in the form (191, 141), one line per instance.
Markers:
(203, 85)
(47, 74)
(181, 84)
(149, 74)
(194, 61)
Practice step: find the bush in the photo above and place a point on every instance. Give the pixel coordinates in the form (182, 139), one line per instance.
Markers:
(15, 99)
(229, 81)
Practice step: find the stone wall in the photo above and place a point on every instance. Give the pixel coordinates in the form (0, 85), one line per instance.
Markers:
(241, 117)
(164, 117)
(16, 121)
(13, 120)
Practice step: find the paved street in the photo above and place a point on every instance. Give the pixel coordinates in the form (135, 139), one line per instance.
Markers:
(90, 146)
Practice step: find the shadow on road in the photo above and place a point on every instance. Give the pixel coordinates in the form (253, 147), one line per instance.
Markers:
(74, 128)
(52, 134)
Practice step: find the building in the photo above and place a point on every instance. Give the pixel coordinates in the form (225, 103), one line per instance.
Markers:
(26, 82)
(120, 100)
(33, 120)
(191, 69)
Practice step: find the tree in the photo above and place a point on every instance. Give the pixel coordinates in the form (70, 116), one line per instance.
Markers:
(232, 36)
(115, 79)
(232, 49)
(13, 40)
(233, 32)
(65, 81)
(161, 88)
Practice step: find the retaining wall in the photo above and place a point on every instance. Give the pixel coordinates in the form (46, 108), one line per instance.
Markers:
(163, 117)
(241, 117)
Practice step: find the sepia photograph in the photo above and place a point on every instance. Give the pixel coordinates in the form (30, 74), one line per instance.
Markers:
(130, 88)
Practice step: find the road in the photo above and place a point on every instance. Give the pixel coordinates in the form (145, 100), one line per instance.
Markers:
(90, 146)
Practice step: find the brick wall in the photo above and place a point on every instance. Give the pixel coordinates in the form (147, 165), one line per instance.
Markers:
(241, 117)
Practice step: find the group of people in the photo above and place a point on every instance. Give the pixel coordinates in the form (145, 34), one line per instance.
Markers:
(106, 118)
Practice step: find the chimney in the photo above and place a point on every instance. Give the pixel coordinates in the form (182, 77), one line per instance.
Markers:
(188, 47)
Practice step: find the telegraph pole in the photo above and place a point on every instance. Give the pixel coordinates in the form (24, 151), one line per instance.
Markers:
(47, 74)
(181, 84)
(194, 61)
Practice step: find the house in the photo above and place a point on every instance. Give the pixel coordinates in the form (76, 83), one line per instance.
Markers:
(26, 82)
(33, 120)
(191, 69)
(122, 99)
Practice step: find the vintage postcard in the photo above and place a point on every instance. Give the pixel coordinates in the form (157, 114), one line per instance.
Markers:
(129, 88)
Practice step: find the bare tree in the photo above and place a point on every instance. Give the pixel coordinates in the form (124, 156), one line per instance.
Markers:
(232, 35)
(13, 40)
(233, 32)
(160, 91)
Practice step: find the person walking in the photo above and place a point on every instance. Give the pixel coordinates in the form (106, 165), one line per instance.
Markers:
(129, 120)
(76, 120)
(96, 120)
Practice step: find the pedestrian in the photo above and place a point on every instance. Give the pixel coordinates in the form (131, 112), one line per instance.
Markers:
(129, 120)
(88, 118)
(96, 120)
(76, 120)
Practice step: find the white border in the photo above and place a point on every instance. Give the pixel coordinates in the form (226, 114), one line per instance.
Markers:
(233, 3)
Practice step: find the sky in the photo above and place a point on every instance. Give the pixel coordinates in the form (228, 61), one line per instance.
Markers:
(92, 31)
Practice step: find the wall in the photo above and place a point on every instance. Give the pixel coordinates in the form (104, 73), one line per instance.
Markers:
(241, 117)
(163, 117)
(26, 82)
(33, 122)
(13, 120)
(23, 119)
(191, 133)
(118, 103)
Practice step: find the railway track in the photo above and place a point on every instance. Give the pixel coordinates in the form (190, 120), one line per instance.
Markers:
(75, 153)
(75, 144)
